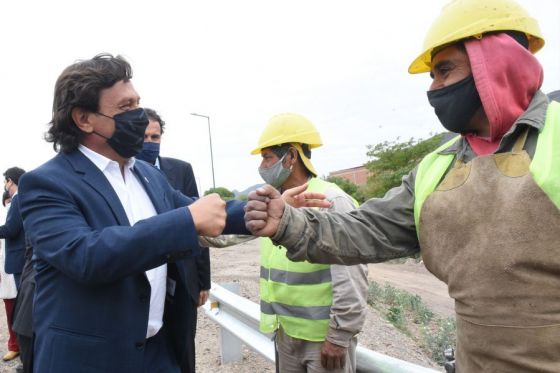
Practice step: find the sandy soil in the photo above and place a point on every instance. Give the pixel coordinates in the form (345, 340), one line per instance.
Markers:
(241, 264)
(415, 278)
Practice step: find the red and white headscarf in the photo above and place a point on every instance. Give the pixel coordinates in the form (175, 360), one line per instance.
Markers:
(507, 76)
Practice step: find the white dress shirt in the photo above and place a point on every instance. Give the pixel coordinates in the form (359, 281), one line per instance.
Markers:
(138, 206)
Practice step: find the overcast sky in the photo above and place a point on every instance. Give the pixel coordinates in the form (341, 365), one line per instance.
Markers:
(342, 64)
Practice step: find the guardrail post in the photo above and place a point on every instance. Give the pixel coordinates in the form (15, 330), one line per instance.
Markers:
(230, 346)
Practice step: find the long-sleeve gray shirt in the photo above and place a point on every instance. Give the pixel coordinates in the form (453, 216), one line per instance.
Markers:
(382, 228)
(349, 287)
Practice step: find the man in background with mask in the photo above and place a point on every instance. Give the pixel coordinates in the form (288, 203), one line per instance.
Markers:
(12, 231)
(8, 291)
(315, 310)
(483, 209)
(179, 173)
(181, 177)
(110, 234)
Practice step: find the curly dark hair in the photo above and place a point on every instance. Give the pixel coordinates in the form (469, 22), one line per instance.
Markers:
(153, 115)
(80, 85)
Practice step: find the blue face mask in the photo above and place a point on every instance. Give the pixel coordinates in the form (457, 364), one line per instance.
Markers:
(150, 152)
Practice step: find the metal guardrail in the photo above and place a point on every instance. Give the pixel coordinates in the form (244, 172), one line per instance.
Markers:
(238, 318)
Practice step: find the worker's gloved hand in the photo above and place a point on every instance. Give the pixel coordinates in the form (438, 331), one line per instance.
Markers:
(332, 356)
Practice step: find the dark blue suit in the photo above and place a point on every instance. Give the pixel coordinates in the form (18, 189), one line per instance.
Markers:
(92, 296)
(14, 234)
(181, 177)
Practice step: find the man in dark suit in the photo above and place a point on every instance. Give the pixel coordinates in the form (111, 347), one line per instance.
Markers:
(110, 234)
(181, 177)
(179, 173)
(13, 230)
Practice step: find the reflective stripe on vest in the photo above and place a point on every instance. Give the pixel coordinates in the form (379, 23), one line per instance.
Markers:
(310, 313)
(296, 278)
(543, 168)
(295, 295)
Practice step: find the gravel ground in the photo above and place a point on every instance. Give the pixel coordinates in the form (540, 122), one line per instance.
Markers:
(241, 264)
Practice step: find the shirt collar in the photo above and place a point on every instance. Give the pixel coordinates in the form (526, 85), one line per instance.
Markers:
(100, 161)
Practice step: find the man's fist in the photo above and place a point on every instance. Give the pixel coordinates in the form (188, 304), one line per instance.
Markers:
(264, 210)
(209, 215)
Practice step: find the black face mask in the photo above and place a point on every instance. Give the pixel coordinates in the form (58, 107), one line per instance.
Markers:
(456, 104)
(128, 138)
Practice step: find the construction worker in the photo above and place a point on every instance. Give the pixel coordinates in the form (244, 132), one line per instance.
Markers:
(316, 310)
(483, 209)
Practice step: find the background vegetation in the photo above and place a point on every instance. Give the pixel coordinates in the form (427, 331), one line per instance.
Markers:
(408, 313)
(389, 162)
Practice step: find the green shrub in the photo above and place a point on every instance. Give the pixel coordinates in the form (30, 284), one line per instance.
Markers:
(439, 338)
(408, 313)
(396, 316)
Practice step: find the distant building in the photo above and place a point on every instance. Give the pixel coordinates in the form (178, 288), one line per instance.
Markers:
(357, 175)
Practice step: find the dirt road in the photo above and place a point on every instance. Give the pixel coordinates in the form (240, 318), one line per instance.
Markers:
(415, 278)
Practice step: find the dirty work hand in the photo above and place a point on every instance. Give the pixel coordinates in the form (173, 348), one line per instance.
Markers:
(298, 197)
(263, 211)
(209, 215)
(332, 356)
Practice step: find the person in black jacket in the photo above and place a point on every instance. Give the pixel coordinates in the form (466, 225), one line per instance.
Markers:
(181, 177)
(12, 230)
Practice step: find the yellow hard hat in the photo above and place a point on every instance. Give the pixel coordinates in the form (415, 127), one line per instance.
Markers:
(461, 19)
(288, 128)
(294, 129)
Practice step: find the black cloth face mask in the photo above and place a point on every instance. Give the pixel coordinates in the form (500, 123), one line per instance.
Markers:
(128, 138)
(456, 104)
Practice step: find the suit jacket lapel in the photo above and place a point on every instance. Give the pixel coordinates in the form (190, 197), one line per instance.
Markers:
(155, 194)
(95, 178)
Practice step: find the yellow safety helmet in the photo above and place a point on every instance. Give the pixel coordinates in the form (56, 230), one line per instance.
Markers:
(290, 128)
(462, 19)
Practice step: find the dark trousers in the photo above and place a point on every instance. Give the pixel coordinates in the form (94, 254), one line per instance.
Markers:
(158, 356)
(189, 364)
(26, 352)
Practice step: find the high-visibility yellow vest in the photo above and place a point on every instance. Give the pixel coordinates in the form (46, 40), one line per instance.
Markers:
(295, 295)
(544, 167)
